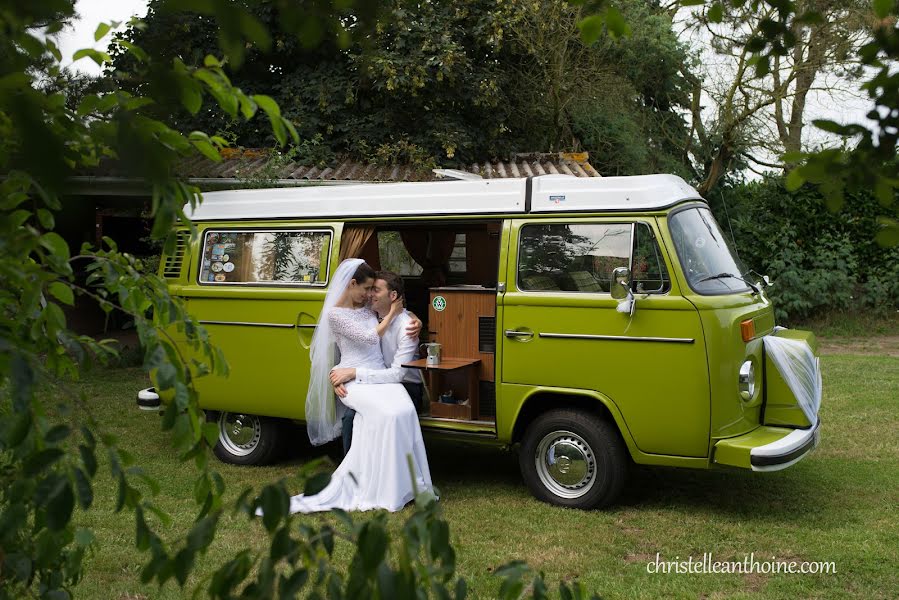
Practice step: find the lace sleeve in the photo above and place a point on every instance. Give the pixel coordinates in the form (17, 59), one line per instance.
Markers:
(351, 324)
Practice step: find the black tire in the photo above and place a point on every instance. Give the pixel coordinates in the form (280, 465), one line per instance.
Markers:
(595, 459)
(246, 439)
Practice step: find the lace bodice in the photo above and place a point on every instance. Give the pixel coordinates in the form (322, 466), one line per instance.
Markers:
(355, 330)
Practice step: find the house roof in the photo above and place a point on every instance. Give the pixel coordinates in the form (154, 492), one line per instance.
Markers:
(548, 194)
(255, 164)
(243, 168)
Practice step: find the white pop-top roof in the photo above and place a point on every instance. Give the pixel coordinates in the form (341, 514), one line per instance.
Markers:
(549, 194)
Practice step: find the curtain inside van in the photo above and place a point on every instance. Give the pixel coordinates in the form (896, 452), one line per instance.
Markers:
(353, 241)
(432, 250)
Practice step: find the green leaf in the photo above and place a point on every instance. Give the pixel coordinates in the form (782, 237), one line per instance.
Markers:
(60, 507)
(135, 51)
(84, 489)
(255, 31)
(882, 8)
(211, 61)
(191, 96)
(461, 589)
(88, 458)
(888, 235)
(39, 461)
(829, 126)
(57, 434)
(21, 426)
(95, 55)
(591, 28)
(885, 192)
(19, 566)
(206, 149)
(84, 537)
(211, 433)
(102, 30)
(54, 317)
(372, 545)
(53, 242)
(316, 483)
(62, 292)
(202, 533)
(267, 104)
(616, 24)
(716, 13)
(46, 218)
(275, 506)
(291, 586)
(794, 180)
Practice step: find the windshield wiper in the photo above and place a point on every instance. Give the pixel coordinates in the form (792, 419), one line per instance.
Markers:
(755, 289)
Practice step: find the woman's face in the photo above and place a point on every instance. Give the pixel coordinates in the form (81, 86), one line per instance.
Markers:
(359, 291)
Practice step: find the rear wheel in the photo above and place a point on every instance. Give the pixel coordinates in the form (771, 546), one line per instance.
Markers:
(246, 439)
(573, 458)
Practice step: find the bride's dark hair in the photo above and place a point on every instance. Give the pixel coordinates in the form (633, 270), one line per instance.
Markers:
(363, 273)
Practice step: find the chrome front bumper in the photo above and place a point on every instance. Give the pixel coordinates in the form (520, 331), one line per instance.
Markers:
(786, 451)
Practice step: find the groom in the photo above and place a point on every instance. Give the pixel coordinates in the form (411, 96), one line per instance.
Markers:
(399, 345)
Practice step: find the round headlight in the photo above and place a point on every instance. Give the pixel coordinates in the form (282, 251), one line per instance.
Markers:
(747, 380)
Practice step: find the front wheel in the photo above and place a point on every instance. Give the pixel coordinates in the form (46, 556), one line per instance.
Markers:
(246, 439)
(573, 458)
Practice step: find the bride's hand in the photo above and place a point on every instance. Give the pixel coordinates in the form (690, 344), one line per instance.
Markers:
(396, 307)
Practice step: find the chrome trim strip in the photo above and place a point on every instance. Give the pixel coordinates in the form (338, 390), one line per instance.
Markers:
(621, 338)
(423, 419)
(251, 324)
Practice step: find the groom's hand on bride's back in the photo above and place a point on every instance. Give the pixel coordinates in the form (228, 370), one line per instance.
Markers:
(414, 326)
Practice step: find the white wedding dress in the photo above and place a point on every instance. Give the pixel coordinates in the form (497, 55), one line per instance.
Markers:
(375, 472)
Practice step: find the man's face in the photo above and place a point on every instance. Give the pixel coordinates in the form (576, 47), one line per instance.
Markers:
(381, 297)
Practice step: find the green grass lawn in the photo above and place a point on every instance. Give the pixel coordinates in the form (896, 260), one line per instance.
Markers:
(839, 504)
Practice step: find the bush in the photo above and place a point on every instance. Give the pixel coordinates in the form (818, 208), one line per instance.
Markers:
(820, 261)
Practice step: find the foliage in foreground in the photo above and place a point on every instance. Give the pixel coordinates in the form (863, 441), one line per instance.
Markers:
(49, 452)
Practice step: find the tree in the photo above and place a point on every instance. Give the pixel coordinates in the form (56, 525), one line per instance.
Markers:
(754, 114)
(867, 160)
(618, 98)
(459, 83)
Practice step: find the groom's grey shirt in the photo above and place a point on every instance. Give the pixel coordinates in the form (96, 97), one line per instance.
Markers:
(397, 348)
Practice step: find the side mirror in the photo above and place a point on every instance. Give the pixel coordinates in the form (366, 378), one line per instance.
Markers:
(621, 283)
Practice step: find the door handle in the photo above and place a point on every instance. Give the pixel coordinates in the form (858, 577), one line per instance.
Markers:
(519, 335)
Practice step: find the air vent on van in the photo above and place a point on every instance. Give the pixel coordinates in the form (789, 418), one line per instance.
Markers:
(486, 334)
(173, 263)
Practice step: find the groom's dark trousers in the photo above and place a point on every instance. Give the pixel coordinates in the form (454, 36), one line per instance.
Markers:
(415, 391)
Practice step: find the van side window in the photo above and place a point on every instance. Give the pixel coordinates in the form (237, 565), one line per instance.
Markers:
(572, 257)
(650, 275)
(265, 257)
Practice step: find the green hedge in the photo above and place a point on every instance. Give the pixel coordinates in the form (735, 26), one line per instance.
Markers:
(820, 261)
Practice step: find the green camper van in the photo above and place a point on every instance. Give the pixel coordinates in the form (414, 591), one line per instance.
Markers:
(588, 323)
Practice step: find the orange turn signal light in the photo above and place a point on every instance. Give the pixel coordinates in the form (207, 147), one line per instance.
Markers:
(747, 329)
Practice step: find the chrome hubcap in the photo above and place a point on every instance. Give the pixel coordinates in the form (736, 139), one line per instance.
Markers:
(239, 433)
(565, 464)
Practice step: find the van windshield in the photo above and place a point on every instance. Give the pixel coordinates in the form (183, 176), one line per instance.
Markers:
(704, 253)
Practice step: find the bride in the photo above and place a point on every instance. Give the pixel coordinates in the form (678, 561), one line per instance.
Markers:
(375, 472)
